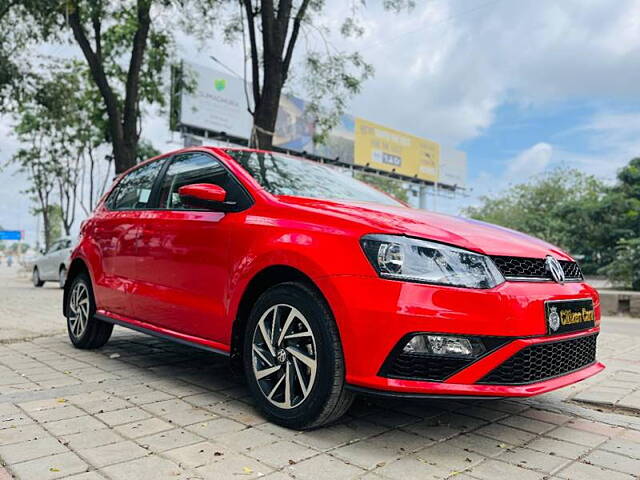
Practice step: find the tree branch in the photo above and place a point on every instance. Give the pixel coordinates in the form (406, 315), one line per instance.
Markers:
(97, 71)
(294, 38)
(135, 65)
(255, 64)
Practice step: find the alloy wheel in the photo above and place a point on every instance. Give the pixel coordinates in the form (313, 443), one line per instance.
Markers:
(284, 356)
(78, 309)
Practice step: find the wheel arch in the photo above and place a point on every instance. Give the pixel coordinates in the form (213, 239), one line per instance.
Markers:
(77, 266)
(261, 282)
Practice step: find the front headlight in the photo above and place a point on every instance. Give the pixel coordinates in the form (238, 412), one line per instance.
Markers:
(413, 260)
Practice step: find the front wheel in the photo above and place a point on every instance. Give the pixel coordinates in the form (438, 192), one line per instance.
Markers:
(85, 331)
(62, 276)
(293, 358)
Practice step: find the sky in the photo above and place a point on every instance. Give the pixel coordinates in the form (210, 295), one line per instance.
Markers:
(521, 86)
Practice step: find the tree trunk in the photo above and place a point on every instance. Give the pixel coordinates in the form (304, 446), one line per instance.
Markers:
(47, 228)
(124, 154)
(266, 111)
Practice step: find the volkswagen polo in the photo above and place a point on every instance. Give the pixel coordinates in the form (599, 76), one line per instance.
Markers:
(321, 287)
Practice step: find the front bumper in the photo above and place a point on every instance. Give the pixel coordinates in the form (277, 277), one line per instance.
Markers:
(374, 314)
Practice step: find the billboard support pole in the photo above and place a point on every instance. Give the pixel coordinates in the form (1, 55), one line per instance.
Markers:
(435, 197)
(423, 197)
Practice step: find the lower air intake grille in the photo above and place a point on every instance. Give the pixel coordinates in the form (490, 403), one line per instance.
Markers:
(425, 367)
(543, 361)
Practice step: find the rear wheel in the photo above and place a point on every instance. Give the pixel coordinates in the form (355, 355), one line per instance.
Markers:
(293, 358)
(35, 278)
(85, 331)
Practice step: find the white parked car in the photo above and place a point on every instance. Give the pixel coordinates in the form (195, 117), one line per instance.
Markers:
(53, 265)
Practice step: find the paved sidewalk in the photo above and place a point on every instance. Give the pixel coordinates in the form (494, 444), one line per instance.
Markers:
(146, 408)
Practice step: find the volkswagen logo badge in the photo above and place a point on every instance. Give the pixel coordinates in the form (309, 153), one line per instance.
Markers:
(554, 267)
(554, 319)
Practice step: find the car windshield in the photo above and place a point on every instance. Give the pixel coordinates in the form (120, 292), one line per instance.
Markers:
(287, 175)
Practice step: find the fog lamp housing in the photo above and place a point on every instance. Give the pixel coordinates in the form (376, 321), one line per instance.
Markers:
(444, 346)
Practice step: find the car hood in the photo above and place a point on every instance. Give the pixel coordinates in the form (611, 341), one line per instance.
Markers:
(466, 233)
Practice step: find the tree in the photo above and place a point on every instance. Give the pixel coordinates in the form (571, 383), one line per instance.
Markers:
(125, 45)
(273, 30)
(624, 270)
(40, 172)
(58, 123)
(393, 187)
(564, 207)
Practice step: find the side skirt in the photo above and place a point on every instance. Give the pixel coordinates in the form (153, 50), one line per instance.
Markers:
(165, 336)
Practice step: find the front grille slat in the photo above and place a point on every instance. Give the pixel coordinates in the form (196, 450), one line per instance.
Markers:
(544, 361)
(533, 268)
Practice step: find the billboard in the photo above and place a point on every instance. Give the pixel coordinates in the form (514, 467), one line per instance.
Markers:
(218, 103)
(390, 150)
(453, 167)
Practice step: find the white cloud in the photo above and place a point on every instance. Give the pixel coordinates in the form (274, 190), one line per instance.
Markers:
(531, 162)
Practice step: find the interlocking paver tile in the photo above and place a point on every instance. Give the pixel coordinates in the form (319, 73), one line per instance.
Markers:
(495, 469)
(323, 467)
(340, 434)
(582, 471)
(527, 458)
(20, 452)
(622, 446)
(528, 424)
(233, 468)
(429, 465)
(197, 454)
(506, 434)
(489, 447)
(247, 439)
(112, 453)
(614, 461)
(50, 467)
(141, 428)
(280, 454)
(175, 438)
(594, 427)
(55, 414)
(74, 425)
(147, 467)
(577, 436)
(552, 446)
(22, 433)
(120, 417)
(213, 429)
(90, 439)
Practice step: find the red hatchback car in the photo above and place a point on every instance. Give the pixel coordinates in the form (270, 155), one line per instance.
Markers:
(322, 287)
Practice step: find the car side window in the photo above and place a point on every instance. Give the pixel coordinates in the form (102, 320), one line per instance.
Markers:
(190, 168)
(134, 191)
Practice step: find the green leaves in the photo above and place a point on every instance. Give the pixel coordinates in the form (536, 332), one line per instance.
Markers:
(576, 211)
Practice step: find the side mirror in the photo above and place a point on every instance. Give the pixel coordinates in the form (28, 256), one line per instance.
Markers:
(206, 196)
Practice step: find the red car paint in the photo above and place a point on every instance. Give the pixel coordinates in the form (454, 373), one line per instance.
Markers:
(184, 273)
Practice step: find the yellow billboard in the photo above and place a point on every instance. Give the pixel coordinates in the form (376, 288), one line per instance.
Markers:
(390, 150)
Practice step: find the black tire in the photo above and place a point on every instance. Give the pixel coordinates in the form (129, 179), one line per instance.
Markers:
(326, 399)
(35, 278)
(95, 332)
(62, 276)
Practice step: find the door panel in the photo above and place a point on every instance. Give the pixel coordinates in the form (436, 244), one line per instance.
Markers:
(182, 269)
(117, 231)
(116, 235)
(181, 272)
